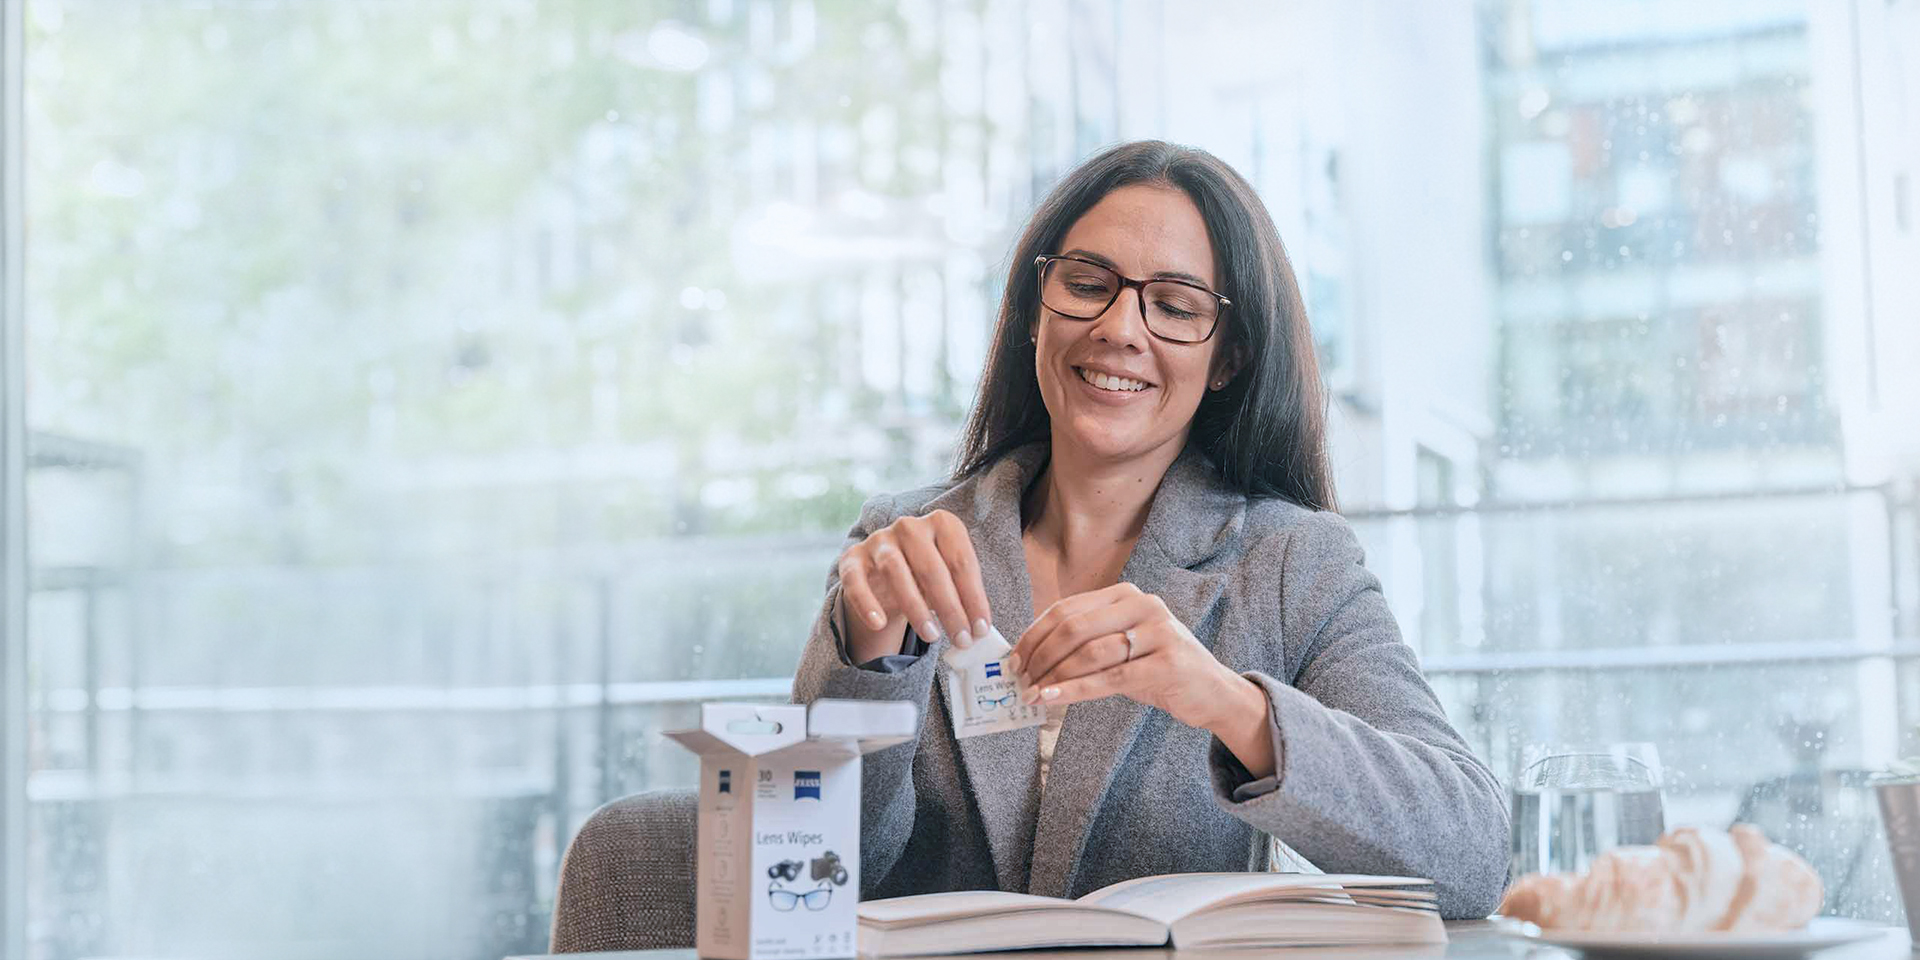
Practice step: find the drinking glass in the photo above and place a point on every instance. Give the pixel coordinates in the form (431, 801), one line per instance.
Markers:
(1572, 803)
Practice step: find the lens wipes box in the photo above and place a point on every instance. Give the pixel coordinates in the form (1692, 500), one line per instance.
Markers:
(778, 870)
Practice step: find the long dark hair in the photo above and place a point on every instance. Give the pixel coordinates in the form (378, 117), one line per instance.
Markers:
(1266, 431)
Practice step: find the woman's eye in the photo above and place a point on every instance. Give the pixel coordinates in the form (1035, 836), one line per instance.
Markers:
(1174, 311)
(1087, 288)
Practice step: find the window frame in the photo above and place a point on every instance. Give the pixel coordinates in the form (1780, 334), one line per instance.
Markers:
(13, 547)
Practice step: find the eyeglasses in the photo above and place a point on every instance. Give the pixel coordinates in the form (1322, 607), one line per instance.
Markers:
(785, 900)
(1174, 310)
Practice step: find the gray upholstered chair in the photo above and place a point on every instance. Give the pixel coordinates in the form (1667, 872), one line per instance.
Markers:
(626, 882)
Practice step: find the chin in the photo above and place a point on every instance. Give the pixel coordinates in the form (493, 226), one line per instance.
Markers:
(1105, 440)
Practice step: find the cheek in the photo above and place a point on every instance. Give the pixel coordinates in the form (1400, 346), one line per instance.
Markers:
(1190, 376)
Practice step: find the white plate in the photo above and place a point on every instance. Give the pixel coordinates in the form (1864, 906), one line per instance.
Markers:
(1822, 933)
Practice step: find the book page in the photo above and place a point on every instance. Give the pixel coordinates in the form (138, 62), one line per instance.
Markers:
(931, 907)
(1306, 922)
(1168, 898)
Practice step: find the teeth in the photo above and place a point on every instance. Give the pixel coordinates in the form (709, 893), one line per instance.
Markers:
(1105, 382)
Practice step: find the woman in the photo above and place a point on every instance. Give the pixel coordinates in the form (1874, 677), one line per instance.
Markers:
(1142, 500)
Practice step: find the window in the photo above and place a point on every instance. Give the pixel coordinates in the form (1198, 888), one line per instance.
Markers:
(427, 403)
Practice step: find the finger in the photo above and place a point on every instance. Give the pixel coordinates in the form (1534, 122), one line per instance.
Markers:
(893, 566)
(1091, 657)
(935, 581)
(1093, 686)
(1051, 618)
(1059, 610)
(964, 565)
(1122, 613)
(856, 594)
(1067, 606)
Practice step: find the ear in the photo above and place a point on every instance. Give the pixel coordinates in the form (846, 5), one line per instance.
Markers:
(1227, 364)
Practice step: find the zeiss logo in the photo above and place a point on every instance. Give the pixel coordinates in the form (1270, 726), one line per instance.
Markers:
(726, 781)
(993, 669)
(806, 784)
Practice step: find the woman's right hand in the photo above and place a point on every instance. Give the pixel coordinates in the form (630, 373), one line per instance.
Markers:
(918, 570)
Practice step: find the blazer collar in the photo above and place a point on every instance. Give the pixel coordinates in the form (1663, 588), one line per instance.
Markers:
(1036, 842)
(1194, 513)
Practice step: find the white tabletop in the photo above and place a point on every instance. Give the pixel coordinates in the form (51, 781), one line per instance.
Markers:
(1467, 940)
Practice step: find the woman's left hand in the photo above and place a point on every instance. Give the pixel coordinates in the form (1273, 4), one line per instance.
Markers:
(1121, 640)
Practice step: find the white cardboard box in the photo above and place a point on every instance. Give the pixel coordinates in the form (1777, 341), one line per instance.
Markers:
(778, 871)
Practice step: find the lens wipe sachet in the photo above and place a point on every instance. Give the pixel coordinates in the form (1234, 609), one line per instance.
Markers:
(982, 695)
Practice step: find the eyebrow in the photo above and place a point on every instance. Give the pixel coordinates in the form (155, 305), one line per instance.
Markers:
(1107, 262)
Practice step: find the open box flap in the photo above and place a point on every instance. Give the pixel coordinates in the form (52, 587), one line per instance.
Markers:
(873, 724)
(820, 751)
(751, 729)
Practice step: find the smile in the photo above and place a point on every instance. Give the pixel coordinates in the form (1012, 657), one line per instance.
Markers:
(1111, 383)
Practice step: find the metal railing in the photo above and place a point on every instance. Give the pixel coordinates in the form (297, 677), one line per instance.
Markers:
(584, 742)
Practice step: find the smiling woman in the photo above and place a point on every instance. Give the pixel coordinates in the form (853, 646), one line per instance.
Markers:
(1128, 379)
(1163, 213)
(1152, 530)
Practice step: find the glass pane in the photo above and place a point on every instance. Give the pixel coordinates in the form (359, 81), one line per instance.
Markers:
(431, 402)
(1704, 572)
(1785, 758)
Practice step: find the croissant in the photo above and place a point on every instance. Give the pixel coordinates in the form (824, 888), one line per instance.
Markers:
(1688, 881)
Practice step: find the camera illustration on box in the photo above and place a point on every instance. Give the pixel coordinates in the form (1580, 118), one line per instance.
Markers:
(779, 823)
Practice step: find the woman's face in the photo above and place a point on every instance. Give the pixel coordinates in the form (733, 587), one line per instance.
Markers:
(1142, 231)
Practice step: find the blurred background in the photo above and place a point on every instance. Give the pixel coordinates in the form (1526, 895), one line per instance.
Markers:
(428, 402)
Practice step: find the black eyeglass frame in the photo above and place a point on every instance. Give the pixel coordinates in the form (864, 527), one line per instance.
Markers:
(1139, 286)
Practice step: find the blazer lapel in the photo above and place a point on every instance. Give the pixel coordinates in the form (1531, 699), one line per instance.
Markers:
(1002, 769)
(1193, 515)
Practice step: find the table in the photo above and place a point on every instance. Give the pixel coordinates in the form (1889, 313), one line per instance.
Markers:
(1467, 940)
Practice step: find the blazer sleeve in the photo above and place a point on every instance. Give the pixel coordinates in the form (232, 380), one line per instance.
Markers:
(886, 782)
(1370, 776)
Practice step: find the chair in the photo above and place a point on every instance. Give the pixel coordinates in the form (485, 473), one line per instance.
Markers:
(626, 882)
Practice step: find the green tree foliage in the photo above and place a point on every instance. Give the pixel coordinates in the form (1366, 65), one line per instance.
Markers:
(342, 271)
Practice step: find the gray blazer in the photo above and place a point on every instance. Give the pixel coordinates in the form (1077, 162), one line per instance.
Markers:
(1372, 777)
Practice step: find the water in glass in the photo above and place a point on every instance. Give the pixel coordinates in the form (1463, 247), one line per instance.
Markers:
(1569, 806)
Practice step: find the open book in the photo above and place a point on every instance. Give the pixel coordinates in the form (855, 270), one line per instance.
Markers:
(1190, 910)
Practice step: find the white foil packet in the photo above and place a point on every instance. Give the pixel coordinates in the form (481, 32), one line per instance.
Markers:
(982, 694)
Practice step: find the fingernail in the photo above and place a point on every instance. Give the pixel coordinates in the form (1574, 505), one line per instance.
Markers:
(964, 640)
(981, 627)
(1050, 693)
(1027, 694)
(1013, 663)
(930, 631)
(876, 618)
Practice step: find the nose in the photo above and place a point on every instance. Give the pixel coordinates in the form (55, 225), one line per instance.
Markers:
(1125, 322)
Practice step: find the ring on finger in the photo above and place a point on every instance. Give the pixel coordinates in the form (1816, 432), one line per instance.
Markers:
(1130, 639)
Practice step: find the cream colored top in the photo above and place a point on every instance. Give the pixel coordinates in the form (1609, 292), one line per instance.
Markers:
(1050, 735)
(1280, 857)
